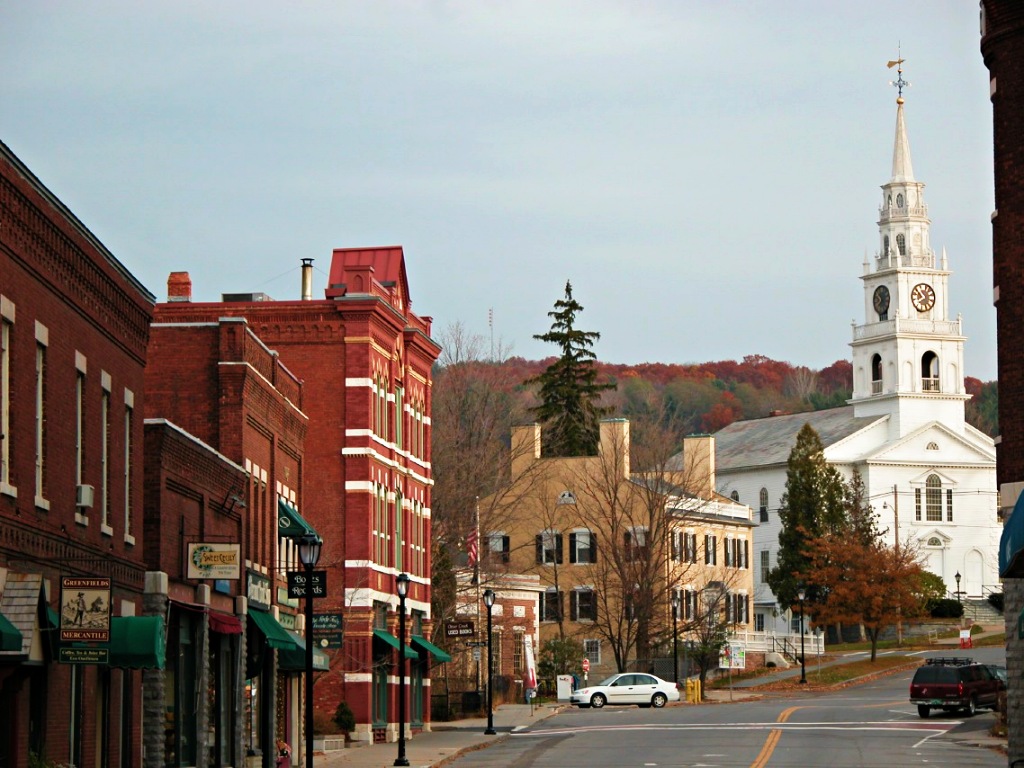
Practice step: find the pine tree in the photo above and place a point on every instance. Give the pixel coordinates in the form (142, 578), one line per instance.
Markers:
(569, 392)
(814, 504)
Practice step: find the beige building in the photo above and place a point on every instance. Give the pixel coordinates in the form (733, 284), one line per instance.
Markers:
(612, 546)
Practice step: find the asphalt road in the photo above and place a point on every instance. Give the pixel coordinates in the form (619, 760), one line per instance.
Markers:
(864, 726)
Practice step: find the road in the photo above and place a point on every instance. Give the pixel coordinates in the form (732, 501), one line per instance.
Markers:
(863, 726)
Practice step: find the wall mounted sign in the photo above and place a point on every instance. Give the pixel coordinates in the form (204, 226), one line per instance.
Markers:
(214, 561)
(84, 609)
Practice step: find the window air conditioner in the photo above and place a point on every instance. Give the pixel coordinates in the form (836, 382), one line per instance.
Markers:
(84, 496)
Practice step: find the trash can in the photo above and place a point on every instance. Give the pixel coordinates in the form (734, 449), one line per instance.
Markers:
(472, 701)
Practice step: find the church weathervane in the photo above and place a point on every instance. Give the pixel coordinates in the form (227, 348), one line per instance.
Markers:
(899, 82)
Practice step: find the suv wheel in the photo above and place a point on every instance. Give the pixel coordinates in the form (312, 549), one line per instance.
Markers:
(923, 711)
(971, 708)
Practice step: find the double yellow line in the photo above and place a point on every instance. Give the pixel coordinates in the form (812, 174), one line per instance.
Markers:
(773, 739)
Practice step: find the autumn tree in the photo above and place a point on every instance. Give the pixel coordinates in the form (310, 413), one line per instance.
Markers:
(813, 504)
(708, 627)
(569, 409)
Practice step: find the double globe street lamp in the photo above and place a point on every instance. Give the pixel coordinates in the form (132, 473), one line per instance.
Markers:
(309, 555)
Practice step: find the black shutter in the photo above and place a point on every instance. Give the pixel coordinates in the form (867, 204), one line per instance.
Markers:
(540, 548)
(574, 605)
(572, 547)
(558, 548)
(593, 547)
(675, 546)
(560, 603)
(505, 549)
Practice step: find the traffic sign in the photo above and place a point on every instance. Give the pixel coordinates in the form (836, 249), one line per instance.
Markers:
(317, 584)
(586, 664)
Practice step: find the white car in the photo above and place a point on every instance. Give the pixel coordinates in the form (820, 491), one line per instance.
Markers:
(636, 688)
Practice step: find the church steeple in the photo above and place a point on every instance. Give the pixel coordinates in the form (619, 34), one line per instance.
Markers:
(908, 353)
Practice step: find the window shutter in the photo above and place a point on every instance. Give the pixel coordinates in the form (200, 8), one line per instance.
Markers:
(593, 547)
(746, 553)
(675, 546)
(540, 548)
(558, 548)
(707, 549)
(572, 548)
(505, 549)
(559, 603)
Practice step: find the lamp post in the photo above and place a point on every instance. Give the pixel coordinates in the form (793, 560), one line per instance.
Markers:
(803, 666)
(489, 602)
(957, 577)
(309, 554)
(403, 589)
(675, 635)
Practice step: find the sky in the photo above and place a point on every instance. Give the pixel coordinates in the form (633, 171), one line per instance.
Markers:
(705, 173)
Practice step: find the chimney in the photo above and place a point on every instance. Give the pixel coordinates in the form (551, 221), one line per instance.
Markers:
(699, 463)
(307, 279)
(179, 287)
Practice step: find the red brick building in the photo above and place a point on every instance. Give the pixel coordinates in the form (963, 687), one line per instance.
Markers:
(74, 325)
(216, 488)
(365, 360)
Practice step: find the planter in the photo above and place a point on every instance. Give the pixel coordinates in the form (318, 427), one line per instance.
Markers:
(329, 743)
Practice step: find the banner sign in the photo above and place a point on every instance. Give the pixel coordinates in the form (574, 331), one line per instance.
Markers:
(214, 561)
(297, 584)
(84, 609)
(328, 630)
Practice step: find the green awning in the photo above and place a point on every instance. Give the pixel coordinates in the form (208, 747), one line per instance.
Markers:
(294, 659)
(425, 645)
(137, 642)
(387, 637)
(276, 635)
(290, 522)
(10, 635)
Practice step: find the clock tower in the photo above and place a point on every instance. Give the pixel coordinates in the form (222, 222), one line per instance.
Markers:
(908, 353)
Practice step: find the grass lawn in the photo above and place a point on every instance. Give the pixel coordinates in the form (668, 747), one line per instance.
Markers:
(836, 675)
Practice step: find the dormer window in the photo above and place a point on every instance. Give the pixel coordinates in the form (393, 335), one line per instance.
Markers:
(930, 372)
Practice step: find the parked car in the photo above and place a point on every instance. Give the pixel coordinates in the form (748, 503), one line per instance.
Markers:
(954, 683)
(998, 672)
(636, 688)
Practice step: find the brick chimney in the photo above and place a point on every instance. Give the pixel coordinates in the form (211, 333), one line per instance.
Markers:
(179, 287)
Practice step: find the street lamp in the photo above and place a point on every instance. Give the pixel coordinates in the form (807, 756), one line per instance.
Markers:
(309, 554)
(489, 602)
(402, 583)
(803, 666)
(675, 634)
(957, 577)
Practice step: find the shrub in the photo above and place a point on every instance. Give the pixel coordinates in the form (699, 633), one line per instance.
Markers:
(947, 608)
(995, 599)
(344, 718)
(322, 724)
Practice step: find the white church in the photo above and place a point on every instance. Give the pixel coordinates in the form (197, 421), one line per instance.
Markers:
(929, 475)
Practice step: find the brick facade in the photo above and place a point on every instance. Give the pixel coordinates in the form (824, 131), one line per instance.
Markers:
(67, 302)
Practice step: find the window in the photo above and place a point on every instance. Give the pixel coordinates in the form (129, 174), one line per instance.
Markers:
(42, 338)
(79, 422)
(735, 495)
(399, 530)
(583, 604)
(398, 418)
(917, 503)
(592, 650)
(495, 651)
(582, 547)
(759, 622)
(105, 439)
(949, 505)
(129, 467)
(930, 372)
(763, 500)
(885, 240)
(6, 329)
(690, 547)
(497, 548)
(765, 565)
(876, 375)
(551, 605)
(899, 202)
(729, 550)
(710, 550)
(690, 604)
(636, 543)
(518, 657)
(549, 548)
(933, 499)
(901, 244)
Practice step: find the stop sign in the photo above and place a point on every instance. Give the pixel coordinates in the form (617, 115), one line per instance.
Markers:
(586, 665)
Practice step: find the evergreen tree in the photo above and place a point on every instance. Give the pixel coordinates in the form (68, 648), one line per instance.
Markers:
(815, 503)
(569, 413)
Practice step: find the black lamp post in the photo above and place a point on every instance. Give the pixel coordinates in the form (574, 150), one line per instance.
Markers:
(309, 554)
(403, 589)
(957, 577)
(803, 666)
(489, 602)
(675, 634)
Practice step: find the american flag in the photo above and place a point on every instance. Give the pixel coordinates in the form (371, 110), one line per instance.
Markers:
(471, 547)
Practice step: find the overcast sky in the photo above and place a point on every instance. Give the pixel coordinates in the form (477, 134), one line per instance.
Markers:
(705, 173)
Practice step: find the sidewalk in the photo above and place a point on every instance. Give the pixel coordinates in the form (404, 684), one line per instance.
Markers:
(445, 741)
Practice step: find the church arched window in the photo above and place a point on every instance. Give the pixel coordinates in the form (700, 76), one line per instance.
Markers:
(876, 375)
(885, 245)
(930, 372)
(763, 502)
(901, 244)
(899, 201)
(933, 499)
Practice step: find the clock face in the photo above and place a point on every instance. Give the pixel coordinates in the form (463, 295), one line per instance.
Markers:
(881, 300)
(922, 297)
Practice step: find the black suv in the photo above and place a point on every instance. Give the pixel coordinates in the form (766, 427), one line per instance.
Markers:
(953, 683)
